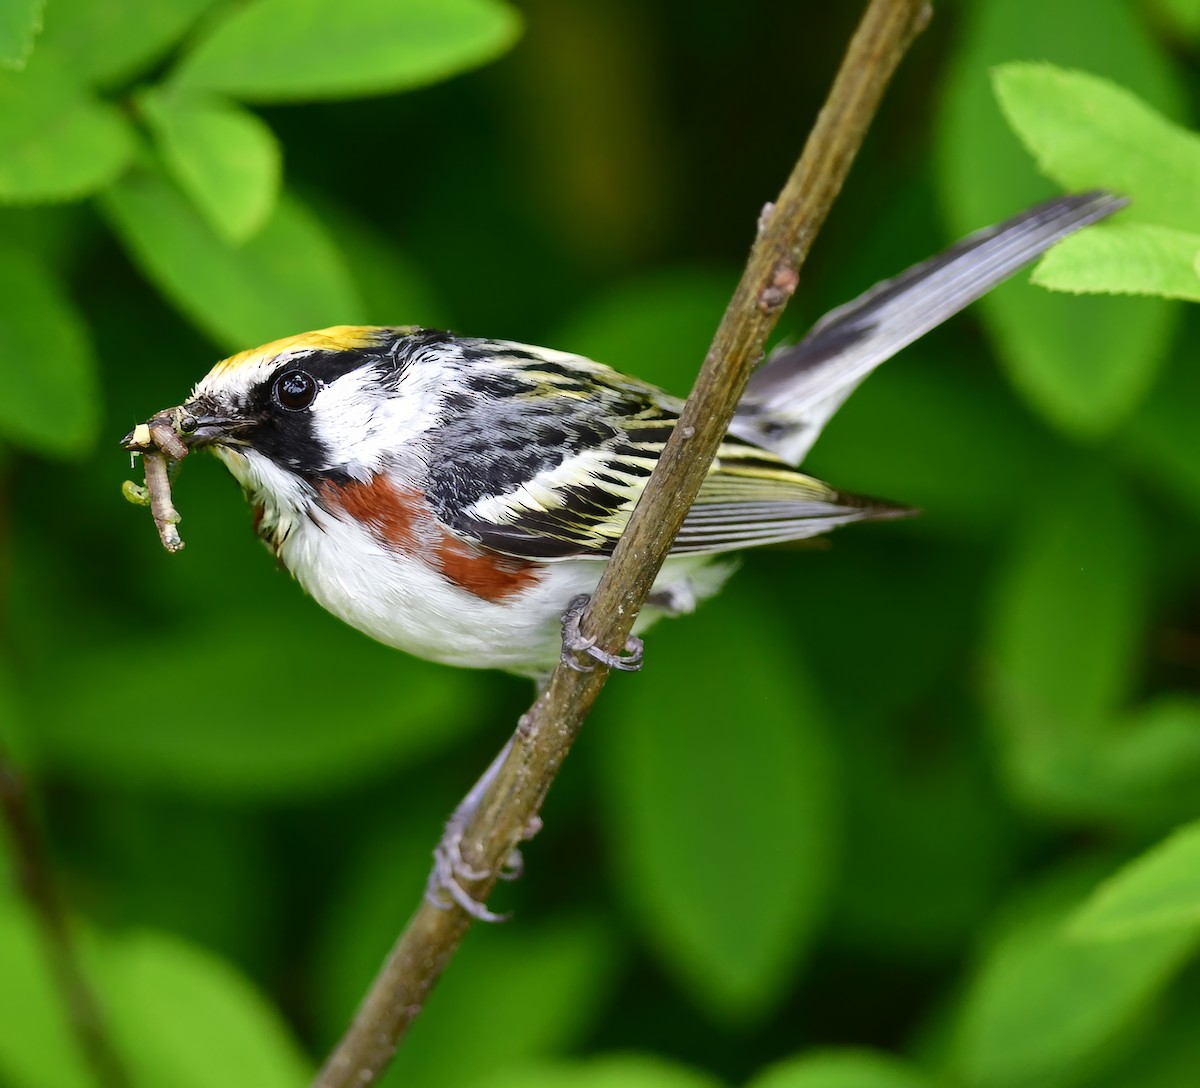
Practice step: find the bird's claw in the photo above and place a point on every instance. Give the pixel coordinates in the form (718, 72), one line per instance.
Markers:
(575, 642)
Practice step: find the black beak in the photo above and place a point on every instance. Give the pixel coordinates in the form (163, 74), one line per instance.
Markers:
(200, 422)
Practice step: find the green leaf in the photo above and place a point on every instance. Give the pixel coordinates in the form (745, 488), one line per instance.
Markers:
(57, 142)
(1125, 258)
(1158, 891)
(222, 156)
(51, 401)
(288, 278)
(1182, 15)
(842, 1069)
(719, 809)
(1068, 615)
(1082, 363)
(1085, 132)
(106, 720)
(37, 1047)
(108, 41)
(20, 23)
(526, 996)
(176, 1014)
(1043, 1008)
(609, 1071)
(1162, 437)
(292, 50)
(185, 1018)
(658, 327)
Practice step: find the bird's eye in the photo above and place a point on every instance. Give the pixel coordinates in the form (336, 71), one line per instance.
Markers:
(295, 390)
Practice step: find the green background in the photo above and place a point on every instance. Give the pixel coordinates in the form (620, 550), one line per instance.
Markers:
(839, 833)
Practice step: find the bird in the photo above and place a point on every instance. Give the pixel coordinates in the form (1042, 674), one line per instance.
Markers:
(457, 497)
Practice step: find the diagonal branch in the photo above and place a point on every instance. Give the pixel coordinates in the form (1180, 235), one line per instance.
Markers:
(547, 730)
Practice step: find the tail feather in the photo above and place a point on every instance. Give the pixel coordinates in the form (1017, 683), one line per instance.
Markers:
(791, 398)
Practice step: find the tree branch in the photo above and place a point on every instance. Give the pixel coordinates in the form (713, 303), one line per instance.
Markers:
(547, 730)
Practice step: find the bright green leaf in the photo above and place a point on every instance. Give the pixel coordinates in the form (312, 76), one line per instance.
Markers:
(719, 813)
(1159, 890)
(291, 50)
(1085, 131)
(224, 157)
(56, 141)
(107, 41)
(1125, 258)
(20, 24)
(37, 1048)
(842, 1069)
(186, 1018)
(1044, 1008)
(287, 278)
(1083, 363)
(609, 1071)
(51, 400)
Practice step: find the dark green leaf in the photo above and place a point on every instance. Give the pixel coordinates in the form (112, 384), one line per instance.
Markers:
(1068, 615)
(1125, 259)
(57, 142)
(720, 814)
(1082, 363)
(51, 395)
(20, 24)
(291, 50)
(222, 156)
(1158, 891)
(1043, 1006)
(107, 41)
(1085, 131)
(288, 278)
(615, 1071)
(842, 1069)
(129, 713)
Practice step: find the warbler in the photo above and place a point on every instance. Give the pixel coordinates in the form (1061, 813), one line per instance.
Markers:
(453, 496)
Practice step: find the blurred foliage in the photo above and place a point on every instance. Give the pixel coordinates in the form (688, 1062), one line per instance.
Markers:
(894, 812)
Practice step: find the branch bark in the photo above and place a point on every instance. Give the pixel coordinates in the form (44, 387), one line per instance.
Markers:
(547, 730)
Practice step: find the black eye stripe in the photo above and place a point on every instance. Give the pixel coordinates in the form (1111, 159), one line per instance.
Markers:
(294, 390)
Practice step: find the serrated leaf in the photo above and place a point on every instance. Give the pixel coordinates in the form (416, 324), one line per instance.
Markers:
(287, 278)
(57, 142)
(842, 1069)
(51, 401)
(20, 24)
(1158, 891)
(222, 156)
(1082, 363)
(1125, 258)
(214, 1031)
(1042, 1007)
(293, 50)
(719, 809)
(608, 1071)
(107, 41)
(1085, 131)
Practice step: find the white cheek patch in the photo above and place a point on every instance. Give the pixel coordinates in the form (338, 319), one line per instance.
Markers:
(361, 426)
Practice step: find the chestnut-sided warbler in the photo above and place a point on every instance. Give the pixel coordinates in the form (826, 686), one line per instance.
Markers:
(452, 496)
